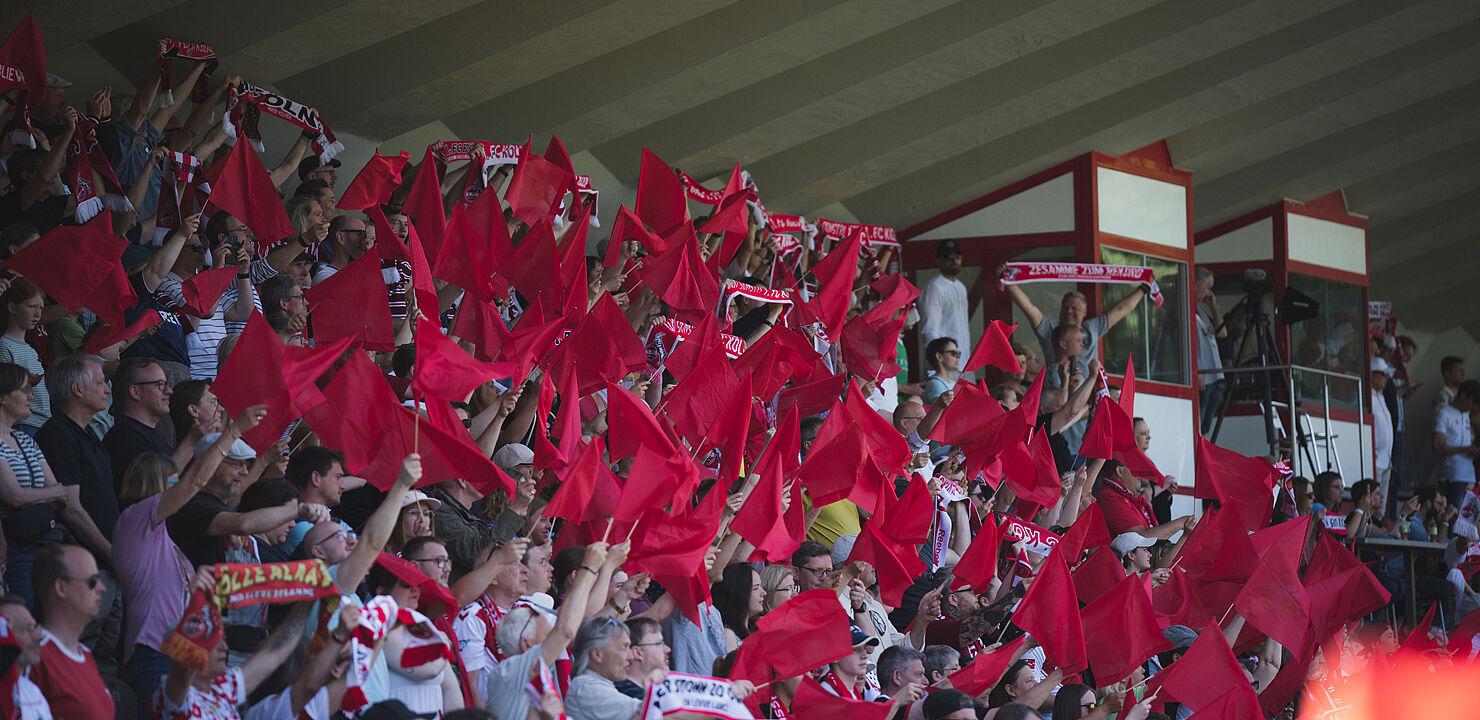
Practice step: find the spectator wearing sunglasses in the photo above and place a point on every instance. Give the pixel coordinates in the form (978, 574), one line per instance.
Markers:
(69, 592)
(944, 358)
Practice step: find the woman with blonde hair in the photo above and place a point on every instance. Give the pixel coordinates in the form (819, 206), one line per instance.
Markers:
(780, 584)
(152, 572)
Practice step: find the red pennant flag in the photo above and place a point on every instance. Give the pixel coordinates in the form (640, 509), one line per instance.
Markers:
(443, 370)
(835, 274)
(780, 356)
(968, 416)
(895, 293)
(530, 342)
(631, 425)
(660, 198)
(672, 548)
(681, 279)
(1243, 484)
(1099, 440)
(1176, 602)
(986, 669)
(352, 304)
(908, 521)
(1419, 641)
(728, 432)
(886, 446)
(813, 397)
(1089, 531)
(1031, 473)
(978, 565)
(421, 276)
(466, 258)
(761, 520)
(703, 338)
(556, 153)
(627, 227)
(1219, 549)
(814, 703)
(244, 189)
(694, 403)
(656, 482)
(1274, 600)
(1339, 586)
(1098, 575)
(832, 469)
(1049, 612)
(535, 188)
(387, 244)
(532, 268)
(574, 498)
(730, 217)
(262, 370)
(896, 565)
(23, 61)
(994, 348)
(479, 322)
(871, 344)
(805, 633)
(1205, 672)
(1238, 703)
(93, 256)
(203, 289)
(375, 182)
(1128, 394)
(424, 205)
(106, 335)
(1120, 631)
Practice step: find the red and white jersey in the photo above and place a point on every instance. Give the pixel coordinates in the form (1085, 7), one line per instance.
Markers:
(476, 627)
(218, 702)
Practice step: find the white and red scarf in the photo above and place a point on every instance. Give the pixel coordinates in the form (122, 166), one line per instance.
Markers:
(424, 642)
(491, 614)
(735, 288)
(246, 103)
(84, 155)
(1021, 273)
(376, 619)
(874, 236)
(835, 685)
(177, 49)
(1136, 501)
(671, 332)
(697, 192)
(187, 193)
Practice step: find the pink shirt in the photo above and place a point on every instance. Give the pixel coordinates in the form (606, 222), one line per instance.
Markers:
(153, 573)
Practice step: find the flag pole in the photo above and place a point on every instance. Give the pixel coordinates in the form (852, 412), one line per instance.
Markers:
(608, 532)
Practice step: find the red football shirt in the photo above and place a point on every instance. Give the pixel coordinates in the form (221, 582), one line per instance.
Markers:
(69, 679)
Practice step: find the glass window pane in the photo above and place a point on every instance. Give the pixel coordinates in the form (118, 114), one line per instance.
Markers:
(1155, 337)
(1333, 340)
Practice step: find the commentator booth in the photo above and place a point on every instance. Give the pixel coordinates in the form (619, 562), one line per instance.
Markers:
(1291, 279)
(1133, 209)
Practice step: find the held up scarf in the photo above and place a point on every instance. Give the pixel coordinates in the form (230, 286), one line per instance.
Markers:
(697, 192)
(239, 585)
(875, 236)
(672, 332)
(376, 619)
(246, 103)
(1020, 273)
(202, 52)
(85, 155)
(188, 192)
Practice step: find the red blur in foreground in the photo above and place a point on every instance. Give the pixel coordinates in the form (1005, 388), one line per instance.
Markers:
(1410, 685)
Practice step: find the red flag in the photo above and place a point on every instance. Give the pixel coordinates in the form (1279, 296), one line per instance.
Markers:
(262, 370)
(424, 205)
(1339, 586)
(813, 397)
(780, 356)
(602, 348)
(535, 188)
(1088, 532)
(626, 227)
(690, 350)
(1238, 703)
(814, 703)
(887, 447)
(479, 322)
(681, 279)
(1205, 672)
(1099, 440)
(532, 268)
(1120, 631)
(466, 258)
(672, 548)
(443, 370)
(1128, 394)
(1418, 640)
(1274, 600)
(421, 276)
(1176, 602)
(986, 669)
(660, 198)
(656, 482)
(387, 244)
(531, 341)
(1462, 641)
(1097, 575)
(835, 274)
(567, 428)
(994, 348)
(578, 488)
(631, 425)
(351, 304)
(203, 289)
(556, 153)
(23, 61)
(761, 520)
(1243, 484)
(803, 634)
(840, 469)
(244, 189)
(896, 565)
(967, 416)
(1049, 611)
(1219, 549)
(908, 521)
(105, 335)
(728, 432)
(729, 217)
(871, 344)
(978, 565)
(1030, 471)
(694, 403)
(93, 256)
(375, 182)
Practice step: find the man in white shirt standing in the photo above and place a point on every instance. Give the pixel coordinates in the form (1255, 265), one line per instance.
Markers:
(1382, 424)
(944, 309)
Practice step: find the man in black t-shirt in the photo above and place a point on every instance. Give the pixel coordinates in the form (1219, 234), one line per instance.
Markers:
(202, 528)
(141, 400)
(78, 392)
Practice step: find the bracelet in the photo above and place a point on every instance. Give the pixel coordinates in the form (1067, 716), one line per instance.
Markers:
(589, 570)
(243, 276)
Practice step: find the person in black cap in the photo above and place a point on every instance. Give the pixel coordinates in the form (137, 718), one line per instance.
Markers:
(949, 705)
(309, 168)
(944, 310)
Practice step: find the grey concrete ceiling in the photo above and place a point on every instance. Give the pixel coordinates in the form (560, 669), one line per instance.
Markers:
(893, 111)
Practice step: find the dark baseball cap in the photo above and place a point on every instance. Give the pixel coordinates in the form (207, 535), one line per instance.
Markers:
(947, 248)
(942, 703)
(311, 163)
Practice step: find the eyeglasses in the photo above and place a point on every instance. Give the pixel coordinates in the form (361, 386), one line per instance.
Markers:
(346, 535)
(952, 353)
(441, 562)
(156, 384)
(817, 571)
(658, 643)
(92, 581)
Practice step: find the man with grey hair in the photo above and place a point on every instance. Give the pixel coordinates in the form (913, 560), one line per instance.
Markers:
(530, 642)
(1073, 308)
(940, 661)
(901, 671)
(77, 458)
(601, 650)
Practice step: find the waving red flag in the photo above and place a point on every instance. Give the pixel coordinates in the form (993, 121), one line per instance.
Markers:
(987, 669)
(1128, 393)
(530, 342)
(556, 153)
(1418, 641)
(909, 519)
(375, 182)
(1274, 600)
(536, 186)
(627, 227)
(1049, 612)
(994, 348)
(896, 565)
(103, 335)
(968, 415)
(479, 322)
(1097, 575)
(1100, 439)
(1219, 549)
(631, 425)
(762, 519)
(871, 344)
(1205, 672)
(805, 633)
(351, 304)
(814, 703)
(1176, 602)
(262, 370)
(656, 482)
(672, 547)
(578, 487)
(443, 370)
(387, 243)
(841, 469)
(1243, 484)
(1120, 631)
(466, 257)
(728, 432)
(1088, 532)
(244, 189)
(1030, 471)
(694, 403)
(531, 268)
(681, 279)
(92, 255)
(835, 274)
(660, 198)
(424, 204)
(203, 289)
(812, 397)
(703, 337)
(978, 565)
(887, 447)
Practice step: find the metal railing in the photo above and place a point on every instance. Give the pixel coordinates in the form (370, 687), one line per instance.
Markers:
(1293, 430)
